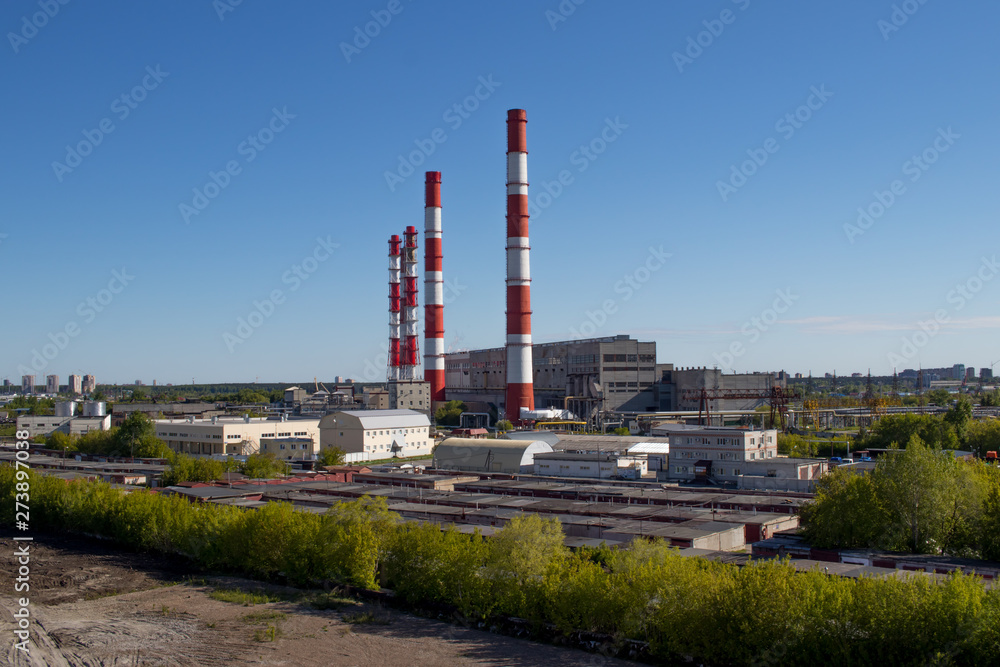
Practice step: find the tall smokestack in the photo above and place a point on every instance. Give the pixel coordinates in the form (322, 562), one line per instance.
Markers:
(520, 391)
(394, 308)
(433, 287)
(408, 364)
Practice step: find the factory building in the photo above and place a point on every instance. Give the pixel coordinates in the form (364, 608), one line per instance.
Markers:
(614, 373)
(233, 436)
(583, 376)
(44, 425)
(377, 434)
(410, 395)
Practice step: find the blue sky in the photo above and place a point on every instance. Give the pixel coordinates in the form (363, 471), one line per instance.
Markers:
(767, 269)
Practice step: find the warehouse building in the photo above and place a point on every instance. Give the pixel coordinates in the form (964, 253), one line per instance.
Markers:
(504, 456)
(43, 425)
(230, 436)
(368, 435)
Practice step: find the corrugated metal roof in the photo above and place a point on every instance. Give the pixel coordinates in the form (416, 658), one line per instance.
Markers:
(372, 419)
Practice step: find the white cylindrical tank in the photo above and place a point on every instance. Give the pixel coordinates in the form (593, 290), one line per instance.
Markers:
(65, 408)
(93, 409)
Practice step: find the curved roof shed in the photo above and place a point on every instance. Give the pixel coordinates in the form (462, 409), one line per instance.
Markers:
(472, 455)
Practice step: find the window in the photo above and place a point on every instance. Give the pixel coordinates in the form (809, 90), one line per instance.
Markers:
(281, 446)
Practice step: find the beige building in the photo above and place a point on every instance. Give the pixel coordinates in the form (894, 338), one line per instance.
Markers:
(221, 436)
(89, 384)
(368, 435)
(297, 449)
(51, 384)
(718, 453)
(74, 384)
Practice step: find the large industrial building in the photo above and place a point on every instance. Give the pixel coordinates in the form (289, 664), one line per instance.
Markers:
(232, 436)
(611, 374)
(377, 434)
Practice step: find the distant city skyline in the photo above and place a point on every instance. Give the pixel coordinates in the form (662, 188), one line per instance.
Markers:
(204, 193)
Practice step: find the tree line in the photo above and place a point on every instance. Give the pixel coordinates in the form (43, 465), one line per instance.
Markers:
(920, 499)
(685, 609)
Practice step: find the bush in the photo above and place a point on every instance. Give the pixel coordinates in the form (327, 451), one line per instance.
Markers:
(687, 609)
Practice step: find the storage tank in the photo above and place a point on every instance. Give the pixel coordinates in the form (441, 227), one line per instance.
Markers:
(65, 408)
(93, 409)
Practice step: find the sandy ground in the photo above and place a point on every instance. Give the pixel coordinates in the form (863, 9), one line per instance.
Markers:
(93, 605)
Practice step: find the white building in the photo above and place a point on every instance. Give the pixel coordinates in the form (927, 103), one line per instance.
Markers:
(597, 466)
(45, 424)
(719, 453)
(240, 436)
(368, 435)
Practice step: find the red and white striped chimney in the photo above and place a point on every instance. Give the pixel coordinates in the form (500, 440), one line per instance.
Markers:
(394, 299)
(408, 364)
(433, 287)
(520, 390)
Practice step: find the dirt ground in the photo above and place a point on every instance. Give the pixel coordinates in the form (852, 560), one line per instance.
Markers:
(94, 605)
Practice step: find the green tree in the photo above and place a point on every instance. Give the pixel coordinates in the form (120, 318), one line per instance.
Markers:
(137, 437)
(184, 468)
(504, 425)
(898, 429)
(263, 466)
(918, 499)
(622, 431)
(959, 416)
(938, 397)
(331, 456)
(983, 436)
(449, 414)
(59, 440)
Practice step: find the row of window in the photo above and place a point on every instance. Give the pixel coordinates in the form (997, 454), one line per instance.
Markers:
(680, 470)
(393, 431)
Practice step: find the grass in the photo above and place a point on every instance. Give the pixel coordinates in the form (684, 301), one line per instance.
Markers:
(264, 616)
(366, 618)
(269, 634)
(323, 601)
(245, 598)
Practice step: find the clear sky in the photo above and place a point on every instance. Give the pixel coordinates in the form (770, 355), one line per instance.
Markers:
(740, 138)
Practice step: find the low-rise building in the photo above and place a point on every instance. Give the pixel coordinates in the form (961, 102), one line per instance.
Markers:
(290, 448)
(718, 452)
(44, 425)
(233, 436)
(503, 456)
(597, 466)
(368, 435)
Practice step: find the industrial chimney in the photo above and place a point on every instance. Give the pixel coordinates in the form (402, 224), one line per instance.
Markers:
(394, 307)
(520, 391)
(433, 288)
(408, 364)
